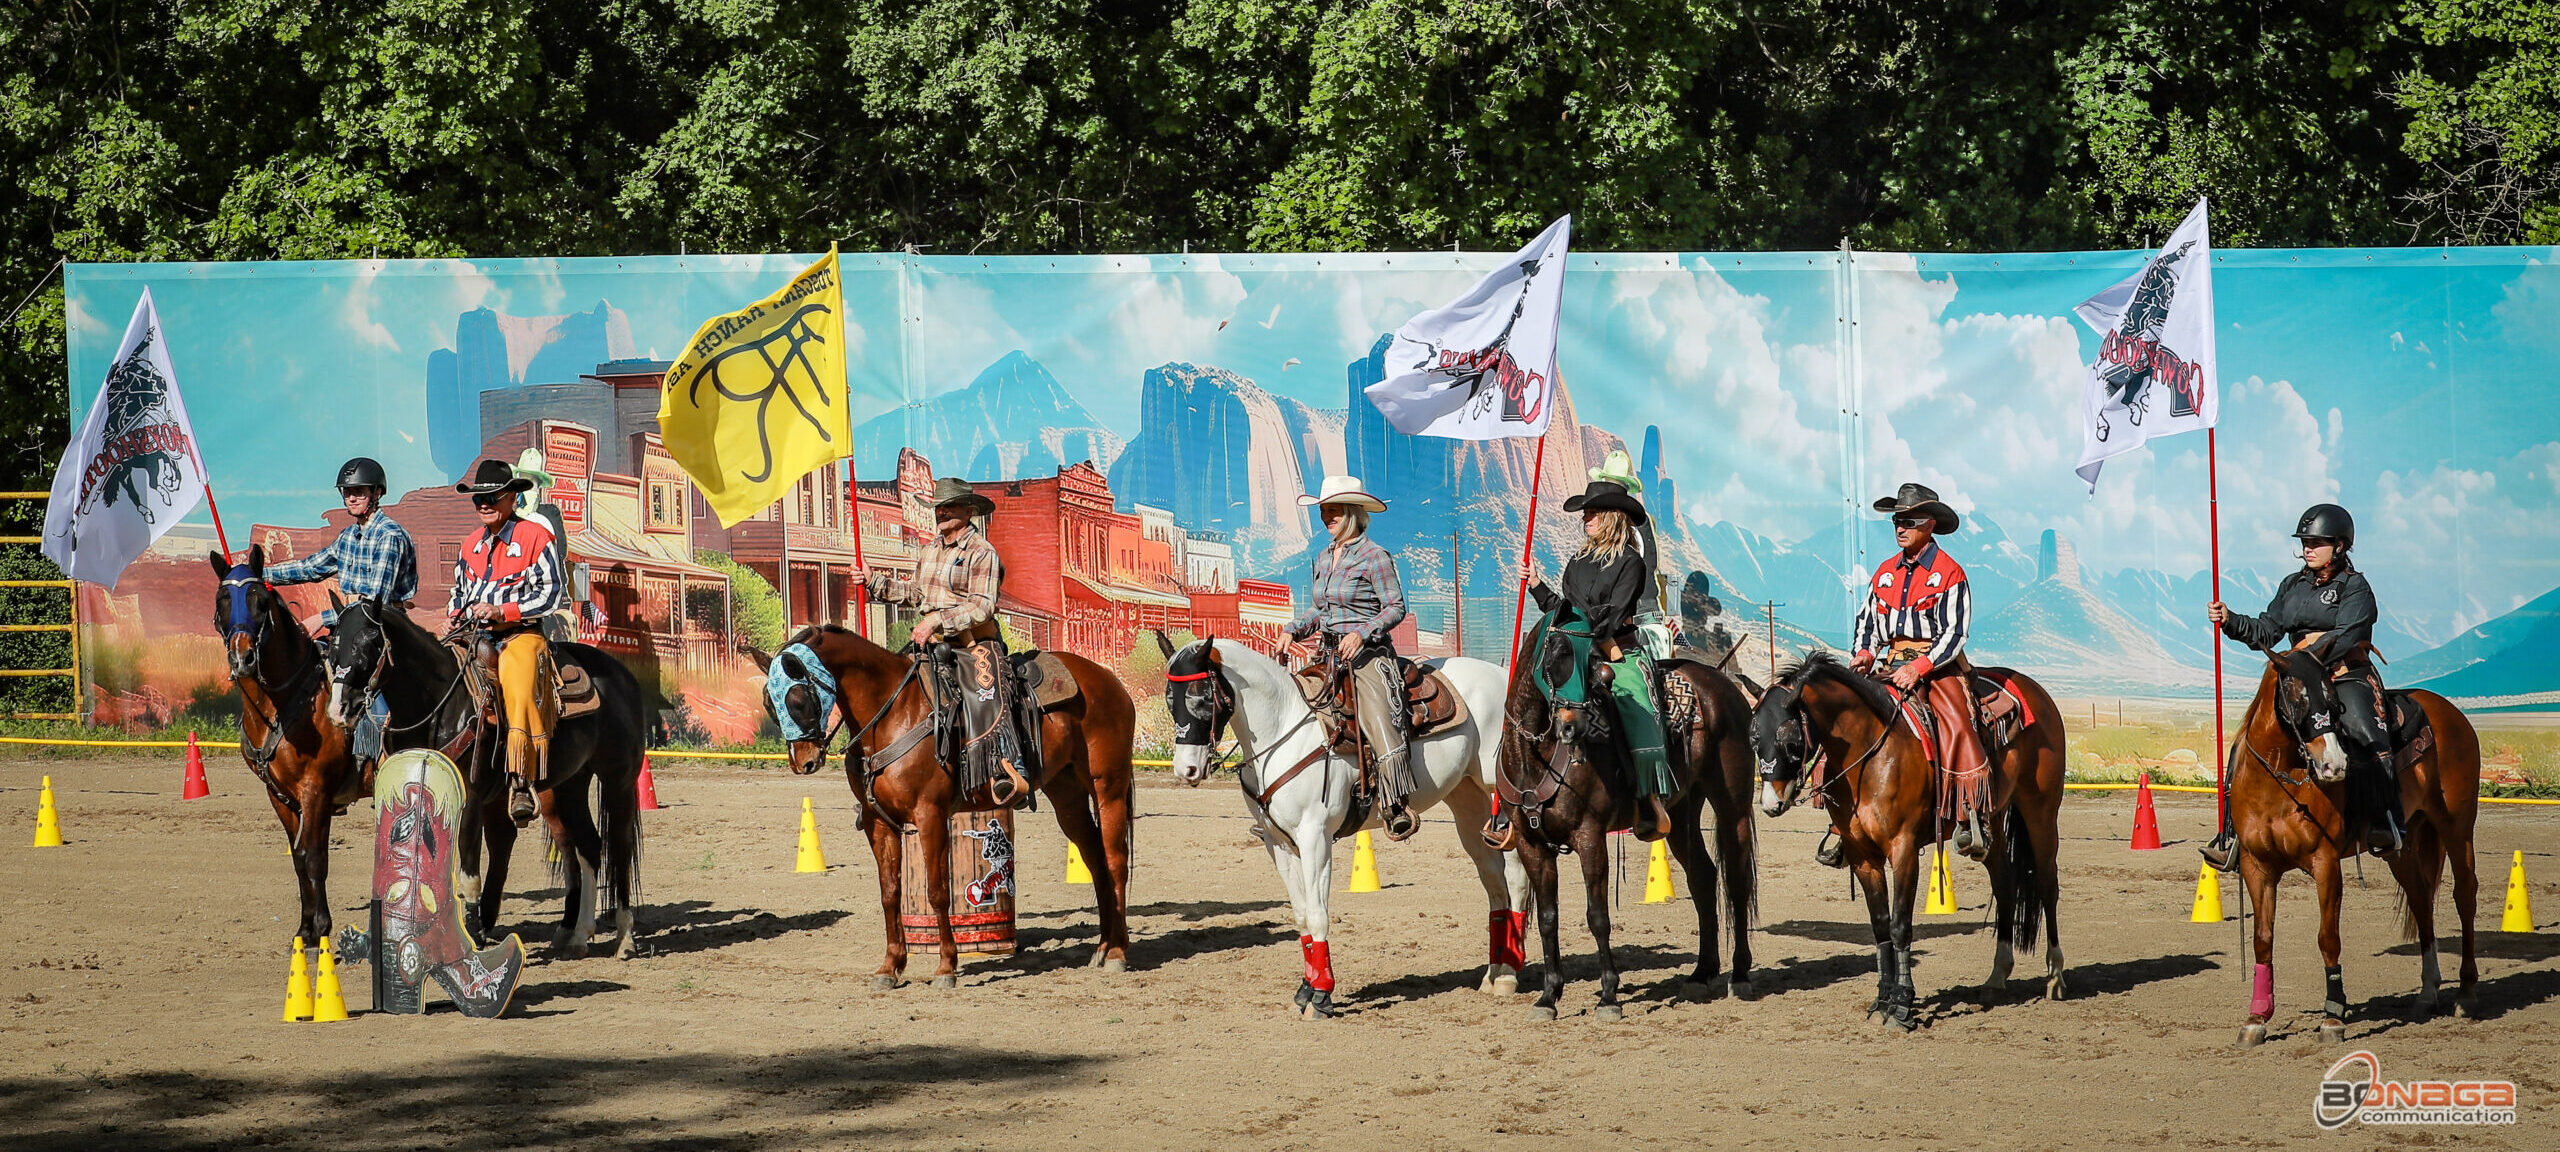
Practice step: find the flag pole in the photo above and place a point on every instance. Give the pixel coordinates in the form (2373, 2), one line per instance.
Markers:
(218, 535)
(861, 573)
(1528, 541)
(2213, 506)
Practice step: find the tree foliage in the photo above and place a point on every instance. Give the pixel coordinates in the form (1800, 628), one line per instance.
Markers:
(325, 129)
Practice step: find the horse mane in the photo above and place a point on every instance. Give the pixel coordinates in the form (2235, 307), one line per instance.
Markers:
(1824, 665)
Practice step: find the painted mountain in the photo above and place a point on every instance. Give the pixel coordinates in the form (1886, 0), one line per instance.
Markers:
(1014, 420)
(2507, 656)
(1222, 454)
(2075, 640)
(492, 350)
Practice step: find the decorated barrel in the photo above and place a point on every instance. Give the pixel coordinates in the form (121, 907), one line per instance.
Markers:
(981, 886)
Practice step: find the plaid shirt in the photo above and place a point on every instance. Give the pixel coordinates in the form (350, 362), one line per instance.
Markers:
(1356, 592)
(1924, 598)
(955, 583)
(372, 557)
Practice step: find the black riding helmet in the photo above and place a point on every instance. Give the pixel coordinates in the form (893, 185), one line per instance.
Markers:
(2327, 522)
(362, 472)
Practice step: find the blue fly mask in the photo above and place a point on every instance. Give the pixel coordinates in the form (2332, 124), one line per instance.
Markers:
(798, 666)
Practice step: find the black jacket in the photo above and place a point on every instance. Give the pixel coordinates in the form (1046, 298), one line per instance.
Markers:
(1608, 595)
(2342, 610)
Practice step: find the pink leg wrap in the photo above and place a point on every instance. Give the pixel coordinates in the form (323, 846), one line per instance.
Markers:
(1508, 932)
(2262, 991)
(1319, 957)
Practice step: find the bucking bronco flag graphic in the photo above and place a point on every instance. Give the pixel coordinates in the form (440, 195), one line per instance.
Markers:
(1483, 366)
(132, 472)
(2155, 372)
(757, 400)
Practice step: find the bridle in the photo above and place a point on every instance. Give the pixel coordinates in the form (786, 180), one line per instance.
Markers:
(247, 619)
(1802, 718)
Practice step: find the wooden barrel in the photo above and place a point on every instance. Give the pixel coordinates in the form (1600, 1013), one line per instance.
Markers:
(982, 877)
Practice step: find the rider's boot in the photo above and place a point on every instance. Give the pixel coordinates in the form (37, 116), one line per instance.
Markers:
(1401, 822)
(1653, 819)
(1831, 853)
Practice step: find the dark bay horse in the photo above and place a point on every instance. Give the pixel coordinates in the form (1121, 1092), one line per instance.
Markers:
(286, 738)
(377, 648)
(2289, 806)
(1881, 791)
(881, 700)
(1565, 785)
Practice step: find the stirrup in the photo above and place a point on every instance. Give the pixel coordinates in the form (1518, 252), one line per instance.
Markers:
(2222, 851)
(1401, 822)
(1831, 852)
(2389, 826)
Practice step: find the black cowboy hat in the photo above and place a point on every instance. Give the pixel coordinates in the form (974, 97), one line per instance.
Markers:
(951, 490)
(1607, 496)
(492, 477)
(1919, 498)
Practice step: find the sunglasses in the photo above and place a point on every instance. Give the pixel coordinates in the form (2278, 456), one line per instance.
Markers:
(487, 499)
(1915, 521)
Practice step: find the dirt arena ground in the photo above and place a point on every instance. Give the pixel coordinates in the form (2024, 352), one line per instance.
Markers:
(141, 969)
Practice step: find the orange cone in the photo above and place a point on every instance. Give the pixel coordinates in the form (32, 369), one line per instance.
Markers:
(2146, 823)
(196, 788)
(648, 786)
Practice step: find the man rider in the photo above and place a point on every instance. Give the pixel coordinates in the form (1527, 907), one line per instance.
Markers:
(955, 586)
(506, 579)
(1912, 629)
(373, 556)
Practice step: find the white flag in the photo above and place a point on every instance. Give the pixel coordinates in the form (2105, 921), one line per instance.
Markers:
(1483, 366)
(2155, 374)
(132, 472)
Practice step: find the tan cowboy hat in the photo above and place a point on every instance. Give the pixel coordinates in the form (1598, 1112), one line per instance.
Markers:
(1919, 498)
(1343, 490)
(950, 490)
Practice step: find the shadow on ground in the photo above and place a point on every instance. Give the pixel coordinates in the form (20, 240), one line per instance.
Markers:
(689, 1100)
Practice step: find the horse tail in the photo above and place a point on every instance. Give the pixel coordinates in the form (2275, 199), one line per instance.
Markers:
(2025, 887)
(618, 824)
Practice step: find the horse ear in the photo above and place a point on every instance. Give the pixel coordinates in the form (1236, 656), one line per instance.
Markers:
(1164, 642)
(792, 667)
(1209, 644)
(221, 564)
(258, 561)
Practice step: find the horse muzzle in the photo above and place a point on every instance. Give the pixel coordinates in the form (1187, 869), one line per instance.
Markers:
(807, 756)
(1191, 763)
(1773, 801)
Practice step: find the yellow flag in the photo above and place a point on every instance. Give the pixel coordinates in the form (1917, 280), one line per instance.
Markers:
(758, 399)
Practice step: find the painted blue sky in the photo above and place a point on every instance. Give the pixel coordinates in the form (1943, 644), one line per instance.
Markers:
(2411, 385)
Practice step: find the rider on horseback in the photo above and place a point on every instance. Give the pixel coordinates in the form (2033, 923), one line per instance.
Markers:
(1912, 629)
(1608, 582)
(2326, 609)
(1356, 604)
(505, 580)
(955, 585)
(373, 557)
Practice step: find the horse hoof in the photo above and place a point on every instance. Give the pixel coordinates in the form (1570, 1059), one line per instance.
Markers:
(2333, 1033)
(1541, 1014)
(2466, 1007)
(1115, 964)
(886, 983)
(2252, 1036)
(1899, 1023)
(2054, 989)
(1506, 985)
(2422, 1008)
(1608, 1013)
(1697, 991)
(1742, 990)
(946, 981)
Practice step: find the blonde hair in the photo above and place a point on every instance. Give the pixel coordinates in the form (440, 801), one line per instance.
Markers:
(1353, 525)
(1613, 538)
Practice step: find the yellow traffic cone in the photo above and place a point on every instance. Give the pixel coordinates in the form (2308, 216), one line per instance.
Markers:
(1942, 886)
(1657, 875)
(328, 1001)
(48, 822)
(1364, 865)
(812, 858)
(2519, 916)
(2208, 896)
(1077, 873)
(297, 988)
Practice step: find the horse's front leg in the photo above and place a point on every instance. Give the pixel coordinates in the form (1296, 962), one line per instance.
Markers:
(1505, 889)
(1315, 878)
(2261, 877)
(1870, 871)
(1591, 842)
(1906, 884)
(888, 850)
(2331, 880)
(314, 905)
(1293, 878)
(1541, 865)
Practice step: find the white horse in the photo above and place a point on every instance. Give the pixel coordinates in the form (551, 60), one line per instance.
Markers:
(1299, 794)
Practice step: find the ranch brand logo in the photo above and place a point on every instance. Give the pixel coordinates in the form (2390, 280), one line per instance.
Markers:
(2354, 1091)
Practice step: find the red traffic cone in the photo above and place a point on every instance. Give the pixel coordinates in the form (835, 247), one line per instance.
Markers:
(648, 786)
(2146, 823)
(196, 788)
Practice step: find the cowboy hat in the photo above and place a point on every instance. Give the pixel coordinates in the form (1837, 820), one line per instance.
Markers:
(1618, 469)
(950, 490)
(492, 477)
(1343, 490)
(1919, 498)
(1608, 496)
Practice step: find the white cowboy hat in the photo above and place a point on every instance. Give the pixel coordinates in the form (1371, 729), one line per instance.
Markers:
(1343, 490)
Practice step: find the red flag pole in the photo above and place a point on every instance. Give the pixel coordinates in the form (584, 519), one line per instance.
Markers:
(861, 575)
(218, 535)
(2213, 505)
(1529, 540)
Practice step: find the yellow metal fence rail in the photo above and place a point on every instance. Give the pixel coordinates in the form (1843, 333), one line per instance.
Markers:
(70, 627)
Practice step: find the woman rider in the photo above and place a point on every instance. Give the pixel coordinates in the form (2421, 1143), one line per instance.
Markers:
(1356, 603)
(1607, 582)
(2326, 609)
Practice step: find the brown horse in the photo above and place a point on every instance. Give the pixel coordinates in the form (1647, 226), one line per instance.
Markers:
(2290, 808)
(1564, 786)
(881, 697)
(1881, 791)
(286, 737)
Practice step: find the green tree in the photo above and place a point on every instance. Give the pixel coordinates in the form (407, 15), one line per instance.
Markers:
(2485, 120)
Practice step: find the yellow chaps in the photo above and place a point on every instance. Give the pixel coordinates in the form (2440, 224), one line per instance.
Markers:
(524, 685)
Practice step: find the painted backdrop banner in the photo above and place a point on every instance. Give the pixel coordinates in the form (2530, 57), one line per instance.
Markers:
(1145, 423)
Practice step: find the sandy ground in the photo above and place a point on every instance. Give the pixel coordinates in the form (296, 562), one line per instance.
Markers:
(141, 969)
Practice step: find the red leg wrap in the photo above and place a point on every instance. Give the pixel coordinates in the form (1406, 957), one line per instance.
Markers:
(1319, 957)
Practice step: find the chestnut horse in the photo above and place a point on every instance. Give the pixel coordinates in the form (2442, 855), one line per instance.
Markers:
(2289, 806)
(285, 735)
(881, 698)
(1564, 785)
(1881, 791)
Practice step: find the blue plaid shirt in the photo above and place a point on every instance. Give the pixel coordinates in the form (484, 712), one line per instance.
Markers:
(373, 557)
(1356, 592)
